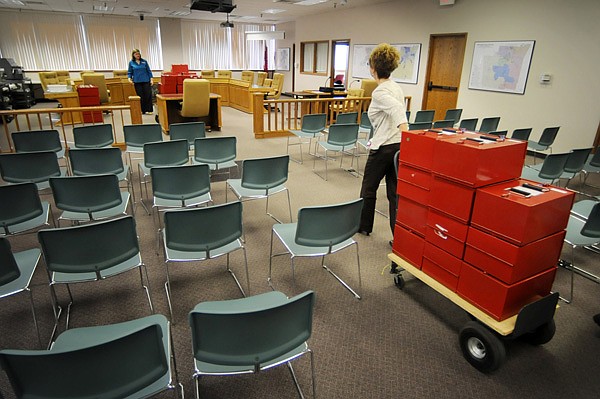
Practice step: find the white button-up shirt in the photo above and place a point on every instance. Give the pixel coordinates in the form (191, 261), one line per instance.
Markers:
(386, 113)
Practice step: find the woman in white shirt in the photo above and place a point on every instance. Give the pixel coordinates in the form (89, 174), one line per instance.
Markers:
(388, 118)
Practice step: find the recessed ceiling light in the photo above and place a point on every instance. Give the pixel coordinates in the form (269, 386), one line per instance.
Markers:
(180, 13)
(273, 11)
(103, 8)
(310, 2)
(12, 2)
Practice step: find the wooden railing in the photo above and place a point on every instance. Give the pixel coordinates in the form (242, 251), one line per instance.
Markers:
(274, 118)
(52, 118)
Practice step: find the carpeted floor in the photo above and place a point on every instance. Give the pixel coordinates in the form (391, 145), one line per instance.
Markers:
(391, 344)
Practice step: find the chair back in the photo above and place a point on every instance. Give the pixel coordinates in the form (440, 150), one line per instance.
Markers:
(63, 77)
(498, 133)
(180, 182)
(553, 166)
(368, 85)
(260, 78)
(365, 122)
(86, 194)
(98, 80)
(268, 82)
(591, 228)
(326, 226)
(35, 167)
(424, 116)
(93, 136)
(138, 135)
(116, 368)
(9, 270)
(346, 117)
(314, 123)
(37, 140)
(443, 123)
(548, 136)
(89, 248)
(489, 124)
(94, 161)
(18, 203)
(343, 134)
(120, 73)
(453, 115)
(196, 98)
(521, 134)
(577, 159)
(248, 76)
(215, 150)
(469, 124)
(419, 126)
(208, 73)
(595, 159)
(48, 78)
(265, 173)
(166, 153)
(189, 131)
(203, 229)
(223, 74)
(276, 85)
(238, 334)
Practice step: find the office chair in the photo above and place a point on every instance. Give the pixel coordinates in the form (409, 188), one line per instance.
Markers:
(196, 99)
(207, 73)
(368, 85)
(48, 78)
(248, 76)
(260, 78)
(98, 80)
(276, 87)
(223, 74)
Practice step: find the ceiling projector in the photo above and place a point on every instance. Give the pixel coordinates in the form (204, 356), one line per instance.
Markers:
(226, 24)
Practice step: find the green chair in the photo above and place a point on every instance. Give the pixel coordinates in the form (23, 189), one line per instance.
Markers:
(16, 272)
(217, 152)
(38, 141)
(341, 138)
(320, 231)
(30, 167)
(489, 124)
(551, 169)
(250, 335)
(89, 198)
(592, 165)
(575, 164)
(364, 144)
(93, 136)
(521, 134)
(21, 209)
(312, 127)
(179, 187)
(420, 126)
(262, 178)
(582, 232)
(365, 126)
(193, 235)
(161, 153)
(499, 133)
(189, 131)
(443, 123)
(90, 252)
(424, 116)
(468, 124)
(545, 142)
(125, 360)
(454, 115)
(346, 117)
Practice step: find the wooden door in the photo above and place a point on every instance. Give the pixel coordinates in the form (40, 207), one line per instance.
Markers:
(444, 67)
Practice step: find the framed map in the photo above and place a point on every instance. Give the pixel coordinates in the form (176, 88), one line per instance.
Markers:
(282, 59)
(501, 66)
(407, 71)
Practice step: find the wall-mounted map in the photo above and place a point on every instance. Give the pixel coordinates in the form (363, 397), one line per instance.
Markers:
(408, 68)
(501, 66)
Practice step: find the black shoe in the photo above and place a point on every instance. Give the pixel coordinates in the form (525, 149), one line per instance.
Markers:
(597, 319)
(391, 243)
(364, 233)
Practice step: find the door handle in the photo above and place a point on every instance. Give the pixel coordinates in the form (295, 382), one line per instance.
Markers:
(431, 86)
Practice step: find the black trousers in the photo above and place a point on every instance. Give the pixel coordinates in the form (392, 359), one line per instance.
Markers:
(380, 164)
(144, 90)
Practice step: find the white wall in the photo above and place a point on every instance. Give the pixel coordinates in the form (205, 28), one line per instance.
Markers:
(290, 34)
(567, 36)
(172, 45)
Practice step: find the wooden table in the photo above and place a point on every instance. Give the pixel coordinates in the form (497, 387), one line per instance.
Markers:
(168, 110)
(67, 99)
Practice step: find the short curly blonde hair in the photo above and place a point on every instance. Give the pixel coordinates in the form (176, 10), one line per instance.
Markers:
(384, 60)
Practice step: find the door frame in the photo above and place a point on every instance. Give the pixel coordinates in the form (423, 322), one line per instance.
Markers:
(332, 61)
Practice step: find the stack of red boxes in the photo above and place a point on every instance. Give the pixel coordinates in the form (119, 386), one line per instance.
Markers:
(459, 221)
(88, 97)
(172, 82)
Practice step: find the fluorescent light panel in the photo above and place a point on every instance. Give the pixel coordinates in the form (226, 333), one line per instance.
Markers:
(272, 11)
(268, 35)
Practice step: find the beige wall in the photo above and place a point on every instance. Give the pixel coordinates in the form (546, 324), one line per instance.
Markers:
(172, 47)
(567, 47)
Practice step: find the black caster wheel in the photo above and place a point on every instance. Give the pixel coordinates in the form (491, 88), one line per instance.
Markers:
(541, 335)
(481, 347)
(399, 281)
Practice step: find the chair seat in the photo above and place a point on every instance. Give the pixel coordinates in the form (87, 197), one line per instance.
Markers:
(194, 201)
(243, 192)
(287, 233)
(30, 224)
(83, 337)
(582, 209)
(333, 147)
(363, 143)
(574, 236)
(117, 210)
(533, 174)
(67, 278)
(536, 146)
(214, 166)
(27, 262)
(307, 135)
(173, 255)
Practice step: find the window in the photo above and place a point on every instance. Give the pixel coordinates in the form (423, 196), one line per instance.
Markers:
(314, 57)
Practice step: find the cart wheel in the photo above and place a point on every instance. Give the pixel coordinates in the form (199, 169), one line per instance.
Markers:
(541, 335)
(481, 348)
(399, 281)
